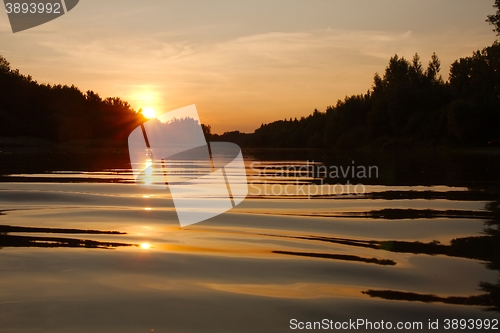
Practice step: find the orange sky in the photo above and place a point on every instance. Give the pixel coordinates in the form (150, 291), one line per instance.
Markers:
(241, 63)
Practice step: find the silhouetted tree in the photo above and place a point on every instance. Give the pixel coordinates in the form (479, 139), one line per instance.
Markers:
(60, 113)
(473, 115)
(495, 18)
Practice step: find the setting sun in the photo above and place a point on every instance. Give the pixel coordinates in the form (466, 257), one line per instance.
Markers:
(145, 246)
(149, 113)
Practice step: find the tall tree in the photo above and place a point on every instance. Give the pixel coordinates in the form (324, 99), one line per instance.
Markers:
(434, 68)
(495, 19)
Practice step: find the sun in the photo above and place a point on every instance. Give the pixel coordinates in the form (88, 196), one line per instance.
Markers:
(145, 246)
(149, 113)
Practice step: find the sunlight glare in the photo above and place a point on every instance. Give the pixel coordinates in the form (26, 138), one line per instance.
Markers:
(149, 113)
(145, 246)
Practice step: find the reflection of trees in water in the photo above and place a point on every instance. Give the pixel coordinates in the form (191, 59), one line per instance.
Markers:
(7, 240)
(477, 300)
(493, 232)
(485, 248)
(345, 257)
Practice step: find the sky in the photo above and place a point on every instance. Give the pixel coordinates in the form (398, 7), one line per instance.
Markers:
(243, 63)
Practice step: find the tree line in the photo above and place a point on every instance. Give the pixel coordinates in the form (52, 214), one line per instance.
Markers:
(409, 105)
(60, 113)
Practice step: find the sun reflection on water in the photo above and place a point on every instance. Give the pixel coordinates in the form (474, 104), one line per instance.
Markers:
(148, 179)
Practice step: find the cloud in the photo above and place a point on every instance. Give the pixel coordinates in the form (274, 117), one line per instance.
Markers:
(275, 49)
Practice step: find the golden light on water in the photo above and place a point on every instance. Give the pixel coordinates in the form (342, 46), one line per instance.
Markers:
(149, 113)
(148, 178)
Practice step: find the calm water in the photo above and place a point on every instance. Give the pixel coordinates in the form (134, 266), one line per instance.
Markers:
(83, 249)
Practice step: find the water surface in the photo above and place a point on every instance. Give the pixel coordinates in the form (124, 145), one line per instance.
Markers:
(85, 249)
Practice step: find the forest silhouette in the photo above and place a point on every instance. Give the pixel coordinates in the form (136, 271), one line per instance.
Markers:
(408, 106)
(60, 113)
